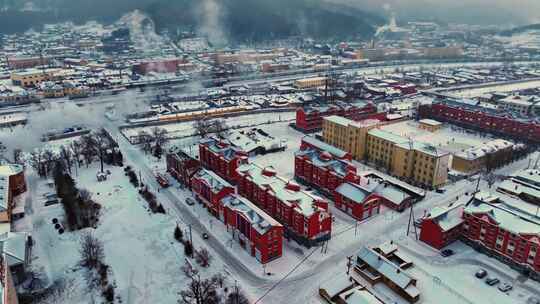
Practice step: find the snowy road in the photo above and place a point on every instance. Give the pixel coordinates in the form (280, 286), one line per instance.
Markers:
(185, 216)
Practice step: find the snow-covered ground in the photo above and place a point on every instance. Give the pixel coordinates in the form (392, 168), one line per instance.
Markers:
(139, 246)
(183, 129)
(469, 93)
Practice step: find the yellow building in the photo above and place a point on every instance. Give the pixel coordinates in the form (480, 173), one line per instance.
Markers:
(348, 135)
(308, 83)
(30, 78)
(416, 162)
(485, 156)
(430, 125)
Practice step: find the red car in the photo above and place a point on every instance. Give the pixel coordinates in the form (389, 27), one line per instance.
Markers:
(162, 180)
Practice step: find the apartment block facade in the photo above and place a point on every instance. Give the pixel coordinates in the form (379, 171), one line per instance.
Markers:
(305, 218)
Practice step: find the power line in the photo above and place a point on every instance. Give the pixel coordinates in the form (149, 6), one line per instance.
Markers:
(286, 276)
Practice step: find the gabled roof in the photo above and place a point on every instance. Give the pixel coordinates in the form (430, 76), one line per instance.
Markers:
(311, 140)
(318, 159)
(447, 217)
(389, 270)
(215, 182)
(509, 213)
(354, 192)
(259, 220)
(13, 245)
(299, 200)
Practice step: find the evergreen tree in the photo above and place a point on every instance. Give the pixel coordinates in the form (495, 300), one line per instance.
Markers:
(188, 249)
(178, 234)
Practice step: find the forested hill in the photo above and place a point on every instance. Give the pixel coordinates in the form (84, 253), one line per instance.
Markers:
(240, 20)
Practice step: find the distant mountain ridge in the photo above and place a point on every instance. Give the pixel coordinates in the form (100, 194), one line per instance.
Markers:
(520, 30)
(240, 20)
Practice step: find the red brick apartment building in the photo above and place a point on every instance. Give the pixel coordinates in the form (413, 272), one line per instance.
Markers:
(498, 225)
(310, 117)
(305, 218)
(442, 226)
(505, 228)
(323, 166)
(357, 201)
(209, 189)
(469, 114)
(181, 166)
(310, 142)
(221, 157)
(256, 231)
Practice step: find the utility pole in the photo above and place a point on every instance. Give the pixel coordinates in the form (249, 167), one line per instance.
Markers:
(236, 291)
(411, 220)
(349, 264)
(191, 239)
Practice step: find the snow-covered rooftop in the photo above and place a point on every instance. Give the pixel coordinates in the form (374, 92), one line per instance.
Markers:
(259, 220)
(486, 148)
(389, 270)
(215, 182)
(510, 214)
(13, 246)
(311, 140)
(447, 217)
(286, 191)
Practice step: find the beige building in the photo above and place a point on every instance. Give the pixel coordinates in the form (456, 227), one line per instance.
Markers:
(348, 135)
(30, 78)
(485, 156)
(430, 125)
(417, 162)
(308, 83)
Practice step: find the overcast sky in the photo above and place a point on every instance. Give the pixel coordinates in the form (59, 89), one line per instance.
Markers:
(471, 11)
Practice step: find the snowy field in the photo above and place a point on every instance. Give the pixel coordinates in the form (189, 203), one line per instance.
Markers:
(449, 138)
(470, 93)
(183, 129)
(139, 246)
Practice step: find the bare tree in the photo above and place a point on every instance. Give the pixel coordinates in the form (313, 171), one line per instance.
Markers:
(85, 195)
(88, 146)
(159, 136)
(203, 257)
(198, 291)
(36, 161)
(76, 149)
(91, 251)
(67, 155)
(219, 127)
(48, 159)
(101, 143)
(18, 156)
(203, 126)
(236, 297)
(145, 140)
(59, 291)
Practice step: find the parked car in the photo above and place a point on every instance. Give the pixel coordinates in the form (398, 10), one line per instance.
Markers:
(440, 190)
(505, 287)
(492, 281)
(205, 236)
(481, 273)
(418, 222)
(162, 180)
(447, 252)
(190, 201)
